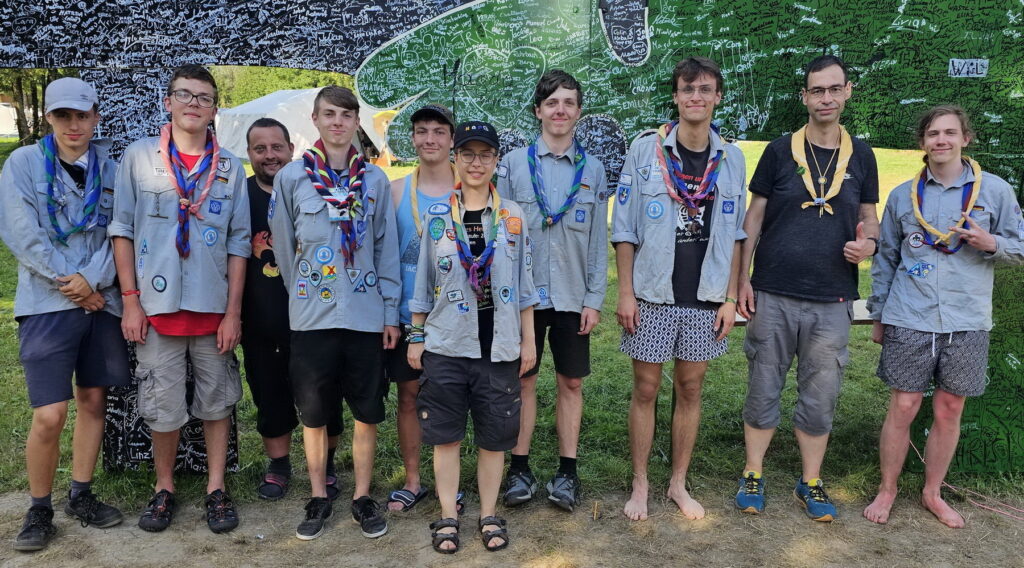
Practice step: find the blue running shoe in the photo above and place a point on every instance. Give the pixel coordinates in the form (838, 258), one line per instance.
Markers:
(816, 502)
(750, 497)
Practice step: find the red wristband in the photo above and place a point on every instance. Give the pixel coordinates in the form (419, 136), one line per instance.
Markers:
(131, 293)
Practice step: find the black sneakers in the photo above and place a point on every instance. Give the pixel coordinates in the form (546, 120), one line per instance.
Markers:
(318, 510)
(366, 512)
(220, 512)
(158, 513)
(519, 487)
(564, 491)
(37, 530)
(91, 511)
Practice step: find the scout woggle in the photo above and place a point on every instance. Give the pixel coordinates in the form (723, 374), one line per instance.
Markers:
(537, 180)
(971, 190)
(330, 185)
(185, 184)
(474, 265)
(797, 146)
(92, 191)
(414, 197)
(672, 171)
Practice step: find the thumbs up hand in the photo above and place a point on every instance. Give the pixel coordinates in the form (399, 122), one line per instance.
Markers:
(857, 250)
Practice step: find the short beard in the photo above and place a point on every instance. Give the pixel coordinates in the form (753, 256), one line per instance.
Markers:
(264, 179)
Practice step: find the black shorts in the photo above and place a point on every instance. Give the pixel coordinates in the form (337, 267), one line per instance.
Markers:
(55, 345)
(453, 387)
(266, 372)
(569, 349)
(331, 365)
(396, 362)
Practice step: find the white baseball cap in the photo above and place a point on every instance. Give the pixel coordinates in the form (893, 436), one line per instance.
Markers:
(70, 92)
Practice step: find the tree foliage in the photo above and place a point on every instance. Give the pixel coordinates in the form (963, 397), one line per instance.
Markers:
(239, 85)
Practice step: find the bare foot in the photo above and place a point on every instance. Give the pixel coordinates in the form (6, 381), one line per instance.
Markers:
(636, 507)
(689, 506)
(447, 544)
(878, 510)
(943, 512)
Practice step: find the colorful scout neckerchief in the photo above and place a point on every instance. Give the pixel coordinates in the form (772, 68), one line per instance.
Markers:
(672, 171)
(186, 184)
(537, 179)
(415, 200)
(54, 202)
(819, 198)
(474, 265)
(971, 190)
(347, 196)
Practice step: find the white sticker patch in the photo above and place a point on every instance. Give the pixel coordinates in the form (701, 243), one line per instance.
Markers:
(626, 179)
(502, 171)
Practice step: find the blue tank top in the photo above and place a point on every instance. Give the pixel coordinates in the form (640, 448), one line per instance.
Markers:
(409, 242)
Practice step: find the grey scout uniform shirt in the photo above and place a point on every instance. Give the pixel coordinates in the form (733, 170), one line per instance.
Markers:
(918, 287)
(146, 211)
(25, 228)
(570, 259)
(646, 215)
(322, 292)
(444, 294)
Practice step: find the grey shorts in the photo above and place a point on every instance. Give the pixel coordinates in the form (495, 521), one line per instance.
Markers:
(453, 387)
(161, 376)
(669, 332)
(957, 362)
(817, 333)
(55, 345)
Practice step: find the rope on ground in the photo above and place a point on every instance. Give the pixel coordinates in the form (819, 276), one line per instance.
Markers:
(968, 494)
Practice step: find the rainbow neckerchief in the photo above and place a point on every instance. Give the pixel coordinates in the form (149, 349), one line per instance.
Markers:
(672, 171)
(537, 179)
(356, 202)
(474, 265)
(93, 188)
(186, 184)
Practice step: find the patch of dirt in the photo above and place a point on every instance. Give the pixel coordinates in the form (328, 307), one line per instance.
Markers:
(542, 536)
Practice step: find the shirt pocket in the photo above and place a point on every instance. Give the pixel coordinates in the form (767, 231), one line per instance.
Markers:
(311, 225)
(581, 215)
(216, 208)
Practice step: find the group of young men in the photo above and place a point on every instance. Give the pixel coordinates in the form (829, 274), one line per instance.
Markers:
(335, 280)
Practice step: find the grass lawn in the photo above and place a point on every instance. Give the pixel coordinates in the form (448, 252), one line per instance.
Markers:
(851, 467)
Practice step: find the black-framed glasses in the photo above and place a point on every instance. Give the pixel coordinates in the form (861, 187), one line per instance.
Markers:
(834, 90)
(468, 156)
(184, 96)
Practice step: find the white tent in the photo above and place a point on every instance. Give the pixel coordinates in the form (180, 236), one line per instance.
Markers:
(8, 124)
(293, 108)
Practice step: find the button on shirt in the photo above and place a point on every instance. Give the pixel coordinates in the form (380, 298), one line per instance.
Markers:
(26, 230)
(570, 259)
(444, 294)
(146, 211)
(918, 287)
(323, 293)
(646, 215)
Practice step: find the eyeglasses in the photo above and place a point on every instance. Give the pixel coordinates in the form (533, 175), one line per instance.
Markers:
(469, 156)
(834, 90)
(185, 97)
(704, 90)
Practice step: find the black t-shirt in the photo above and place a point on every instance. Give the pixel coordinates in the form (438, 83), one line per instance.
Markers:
(693, 229)
(476, 234)
(76, 172)
(800, 253)
(265, 300)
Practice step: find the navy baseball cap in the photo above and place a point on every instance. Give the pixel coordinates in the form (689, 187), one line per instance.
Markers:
(476, 130)
(436, 112)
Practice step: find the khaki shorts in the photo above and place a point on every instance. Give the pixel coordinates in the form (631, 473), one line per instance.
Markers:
(161, 376)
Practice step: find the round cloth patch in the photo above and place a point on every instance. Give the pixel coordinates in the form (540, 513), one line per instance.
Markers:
(655, 210)
(304, 267)
(444, 264)
(210, 236)
(915, 240)
(159, 283)
(326, 294)
(324, 254)
(371, 279)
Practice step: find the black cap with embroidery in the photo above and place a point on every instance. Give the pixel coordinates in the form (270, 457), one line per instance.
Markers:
(476, 130)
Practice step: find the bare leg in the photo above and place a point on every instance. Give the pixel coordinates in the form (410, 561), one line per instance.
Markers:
(892, 451)
(489, 466)
(568, 414)
(527, 414)
(646, 381)
(938, 453)
(278, 447)
(216, 433)
(446, 476)
(42, 450)
(812, 452)
(364, 444)
(314, 440)
(756, 441)
(165, 452)
(90, 410)
(689, 378)
(409, 437)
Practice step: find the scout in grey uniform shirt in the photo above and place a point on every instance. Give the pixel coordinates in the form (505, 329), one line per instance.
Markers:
(645, 215)
(441, 279)
(570, 259)
(146, 211)
(33, 242)
(918, 287)
(323, 293)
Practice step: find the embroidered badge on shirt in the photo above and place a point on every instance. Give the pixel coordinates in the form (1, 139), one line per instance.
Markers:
(502, 171)
(463, 307)
(222, 179)
(223, 164)
(915, 240)
(145, 247)
(360, 287)
(514, 225)
(353, 274)
(728, 207)
(623, 194)
(160, 171)
(138, 268)
(330, 272)
(272, 205)
(305, 267)
(436, 228)
(921, 269)
(528, 260)
(102, 220)
(505, 294)
(542, 291)
(450, 233)
(159, 283)
(655, 210)
(439, 209)
(581, 216)
(326, 295)
(645, 172)
(444, 264)
(437, 291)
(215, 206)
(315, 278)
(301, 289)
(324, 254)
(455, 296)
(210, 236)
(371, 279)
